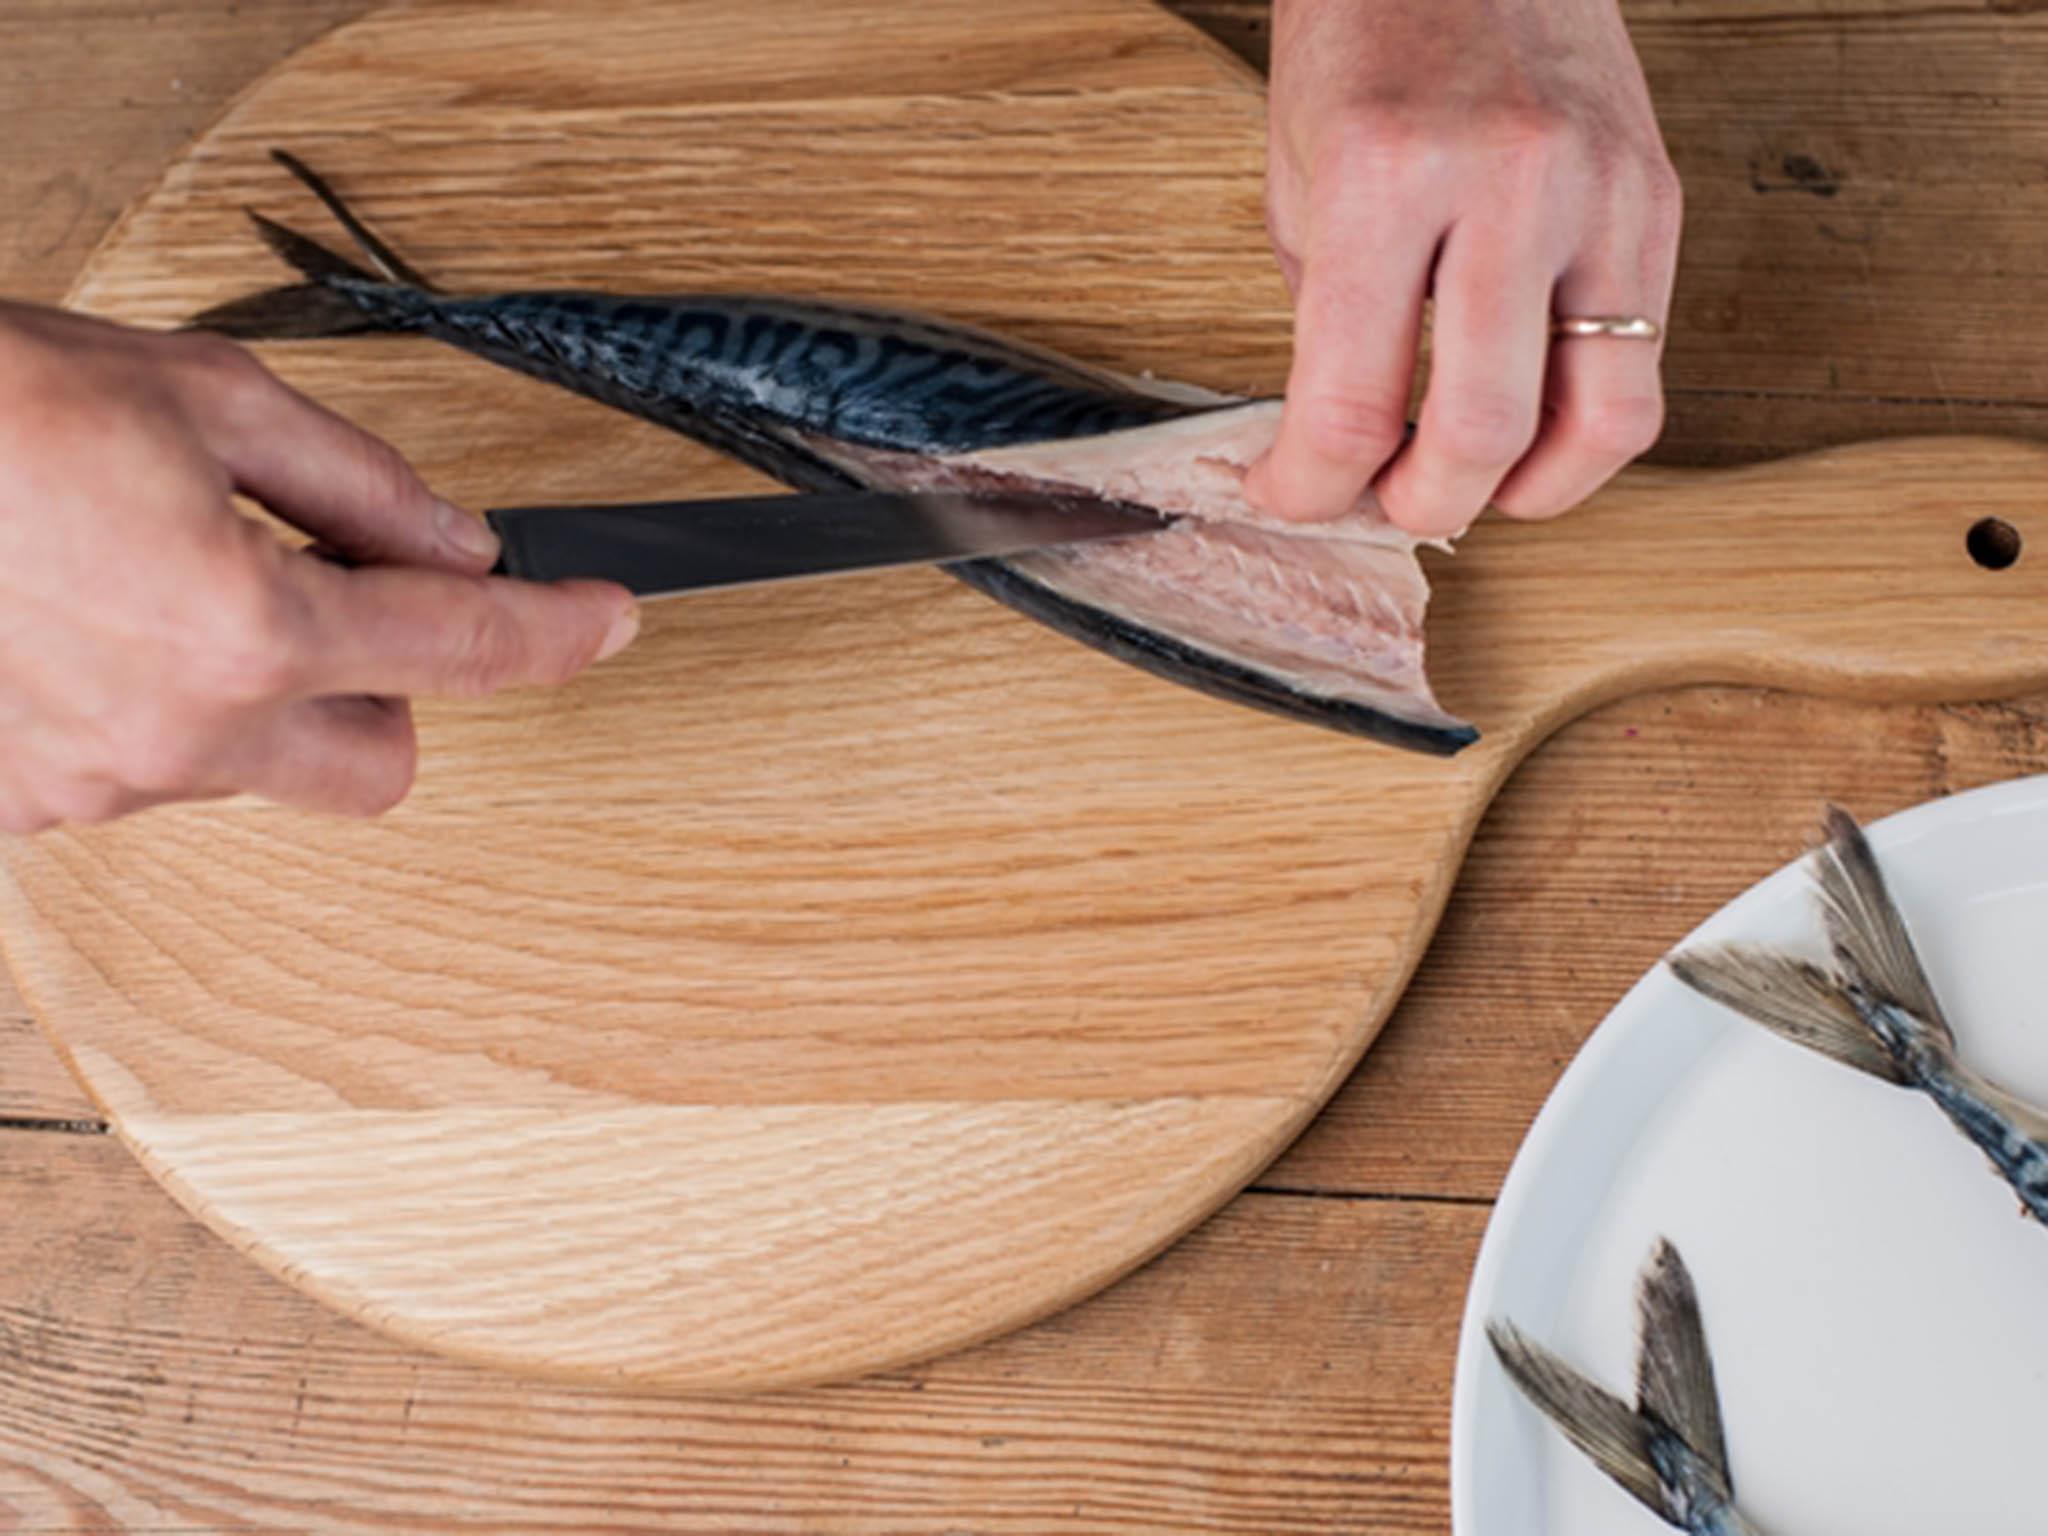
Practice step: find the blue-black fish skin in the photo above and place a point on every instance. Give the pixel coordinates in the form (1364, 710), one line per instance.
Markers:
(2018, 1158)
(1699, 1502)
(858, 375)
(781, 384)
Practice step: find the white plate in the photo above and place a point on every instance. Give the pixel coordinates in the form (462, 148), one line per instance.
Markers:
(1877, 1309)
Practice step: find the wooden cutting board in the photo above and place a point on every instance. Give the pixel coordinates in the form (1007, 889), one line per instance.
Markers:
(851, 971)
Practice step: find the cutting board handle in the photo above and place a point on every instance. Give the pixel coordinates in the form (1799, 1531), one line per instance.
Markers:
(1912, 569)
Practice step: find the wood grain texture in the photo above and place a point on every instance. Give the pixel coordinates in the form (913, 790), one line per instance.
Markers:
(101, 93)
(1657, 808)
(151, 1380)
(35, 1089)
(958, 969)
(1606, 847)
(768, 998)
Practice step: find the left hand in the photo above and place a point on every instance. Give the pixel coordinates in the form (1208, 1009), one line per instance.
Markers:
(1502, 157)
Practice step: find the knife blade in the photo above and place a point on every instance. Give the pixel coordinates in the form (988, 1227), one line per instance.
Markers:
(662, 548)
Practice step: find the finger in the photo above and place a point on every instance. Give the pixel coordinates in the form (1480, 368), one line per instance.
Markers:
(1485, 385)
(1354, 360)
(392, 630)
(1283, 217)
(323, 474)
(1604, 395)
(342, 756)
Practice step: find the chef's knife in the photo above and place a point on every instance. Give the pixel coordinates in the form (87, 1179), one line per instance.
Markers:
(660, 548)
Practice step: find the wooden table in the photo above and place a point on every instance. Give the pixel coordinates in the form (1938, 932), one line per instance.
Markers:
(1863, 257)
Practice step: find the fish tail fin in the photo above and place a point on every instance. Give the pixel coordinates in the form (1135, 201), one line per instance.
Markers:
(1614, 1436)
(338, 298)
(1867, 932)
(1668, 1450)
(389, 265)
(1792, 998)
(1674, 1369)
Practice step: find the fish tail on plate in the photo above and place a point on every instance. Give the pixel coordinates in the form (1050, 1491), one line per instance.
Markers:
(1668, 1450)
(1873, 1009)
(1611, 1433)
(1873, 950)
(1792, 997)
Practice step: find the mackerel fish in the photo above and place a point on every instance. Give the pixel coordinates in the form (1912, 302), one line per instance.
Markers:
(1318, 622)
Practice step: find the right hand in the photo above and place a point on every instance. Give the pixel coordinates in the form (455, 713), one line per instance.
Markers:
(156, 645)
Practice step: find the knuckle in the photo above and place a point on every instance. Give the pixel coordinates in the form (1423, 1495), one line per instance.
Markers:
(385, 478)
(483, 647)
(23, 820)
(155, 755)
(1411, 507)
(1525, 506)
(1664, 204)
(1531, 141)
(248, 650)
(242, 628)
(1368, 141)
(1485, 427)
(384, 786)
(214, 363)
(84, 801)
(1621, 426)
(1354, 424)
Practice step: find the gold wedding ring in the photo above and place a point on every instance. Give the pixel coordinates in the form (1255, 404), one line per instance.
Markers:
(1621, 327)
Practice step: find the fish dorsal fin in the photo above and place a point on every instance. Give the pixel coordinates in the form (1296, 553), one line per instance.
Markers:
(1600, 1424)
(1674, 1371)
(1865, 927)
(1788, 996)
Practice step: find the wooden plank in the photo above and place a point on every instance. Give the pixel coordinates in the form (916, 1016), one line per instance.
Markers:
(112, 88)
(1245, 27)
(994, 1071)
(1284, 1371)
(1606, 848)
(1456, 1064)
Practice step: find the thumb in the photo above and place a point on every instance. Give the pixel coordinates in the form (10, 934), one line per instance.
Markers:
(405, 631)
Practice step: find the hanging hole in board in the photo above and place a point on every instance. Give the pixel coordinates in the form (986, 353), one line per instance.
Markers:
(1993, 543)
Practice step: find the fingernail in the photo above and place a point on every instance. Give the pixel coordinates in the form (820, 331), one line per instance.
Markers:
(621, 634)
(465, 534)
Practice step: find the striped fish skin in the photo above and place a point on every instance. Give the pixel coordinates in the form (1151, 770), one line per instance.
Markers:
(2007, 1131)
(1700, 1505)
(827, 396)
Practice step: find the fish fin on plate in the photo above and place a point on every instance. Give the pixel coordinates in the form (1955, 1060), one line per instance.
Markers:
(1614, 1436)
(392, 267)
(1674, 1371)
(1790, 997)
(1866, 929)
